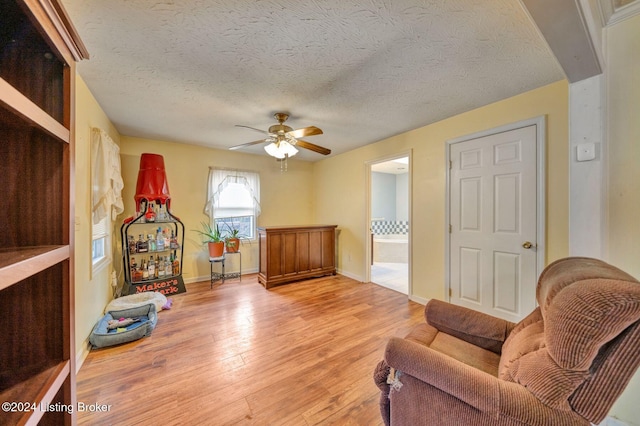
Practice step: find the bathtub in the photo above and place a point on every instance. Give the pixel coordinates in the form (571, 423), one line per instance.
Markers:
(391, 248)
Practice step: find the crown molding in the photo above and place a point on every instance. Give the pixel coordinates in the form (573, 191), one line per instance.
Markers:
(612, 15)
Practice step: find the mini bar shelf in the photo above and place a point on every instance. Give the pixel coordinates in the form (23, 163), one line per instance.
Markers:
(166, 281)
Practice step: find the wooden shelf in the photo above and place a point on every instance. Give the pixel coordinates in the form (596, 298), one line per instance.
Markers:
(39, 389)
(17, 264)
(24, 107)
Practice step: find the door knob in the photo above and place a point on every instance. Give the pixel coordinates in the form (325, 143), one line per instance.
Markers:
(527, 245)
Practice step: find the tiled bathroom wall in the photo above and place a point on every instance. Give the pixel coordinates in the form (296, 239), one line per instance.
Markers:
(384, 227)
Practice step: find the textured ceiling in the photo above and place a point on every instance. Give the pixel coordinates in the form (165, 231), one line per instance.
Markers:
(189, 70)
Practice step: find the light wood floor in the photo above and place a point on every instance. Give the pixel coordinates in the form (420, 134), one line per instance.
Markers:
(298, 354)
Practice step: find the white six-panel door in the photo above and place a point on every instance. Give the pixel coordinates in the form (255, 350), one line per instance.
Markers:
(493, 217)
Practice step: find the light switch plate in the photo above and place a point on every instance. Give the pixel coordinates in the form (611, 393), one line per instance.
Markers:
(586, 151)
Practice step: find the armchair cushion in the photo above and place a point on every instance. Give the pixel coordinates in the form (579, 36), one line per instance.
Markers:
(526, 337)
(461, 350)
(471, 326)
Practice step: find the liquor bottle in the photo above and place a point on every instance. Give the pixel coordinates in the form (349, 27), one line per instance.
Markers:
(132, 268)
(159, 240)
(142, 246)
(161, 270)
(168, 268)
(175, 265)
(145, 271)
(167, 240)
(150, 215)
(162, 213)
(151, 241)
(173, 243)
(152, 268)
(132, 244)
(137, 276)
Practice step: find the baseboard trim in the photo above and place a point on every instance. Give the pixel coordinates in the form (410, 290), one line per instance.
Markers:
(350, 275)
(420, 300)
(82, 354)
(208, 277)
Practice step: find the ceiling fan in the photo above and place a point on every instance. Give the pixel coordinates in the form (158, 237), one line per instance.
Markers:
(282, 140)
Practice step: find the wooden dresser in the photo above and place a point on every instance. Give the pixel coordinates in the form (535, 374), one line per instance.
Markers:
(291, 253)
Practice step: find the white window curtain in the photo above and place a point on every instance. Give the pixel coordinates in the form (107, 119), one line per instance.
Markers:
(106, 177)
(220, 178)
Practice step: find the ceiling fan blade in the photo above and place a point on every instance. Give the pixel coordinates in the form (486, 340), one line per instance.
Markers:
(248, 144)
(304, 132)
(253, 128)
(313, 147)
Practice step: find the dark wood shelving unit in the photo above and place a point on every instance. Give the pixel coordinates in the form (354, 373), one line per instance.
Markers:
(38, 51)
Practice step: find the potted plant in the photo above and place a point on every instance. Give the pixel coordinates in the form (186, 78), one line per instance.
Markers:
(213, 238)
(232, 238)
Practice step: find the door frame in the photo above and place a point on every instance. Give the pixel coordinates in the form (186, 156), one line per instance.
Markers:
(367, 229)
(541, 137)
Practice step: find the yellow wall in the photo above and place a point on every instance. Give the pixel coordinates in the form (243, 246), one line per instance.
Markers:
(623, 93)
(341, 197)
(93, 290)
(286, 198)
(623, 86)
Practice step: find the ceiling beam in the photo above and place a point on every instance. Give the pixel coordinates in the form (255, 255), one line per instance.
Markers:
(564, 27)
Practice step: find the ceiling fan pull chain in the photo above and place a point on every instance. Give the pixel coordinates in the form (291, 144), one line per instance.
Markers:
(283, 163)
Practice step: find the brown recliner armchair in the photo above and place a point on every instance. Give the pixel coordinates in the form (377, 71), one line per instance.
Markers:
(564, 364)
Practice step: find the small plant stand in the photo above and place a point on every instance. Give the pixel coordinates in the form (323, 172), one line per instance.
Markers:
(223, 275)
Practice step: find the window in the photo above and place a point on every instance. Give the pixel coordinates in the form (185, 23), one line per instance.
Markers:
(235, 209)
(100, 243)
(234, 200)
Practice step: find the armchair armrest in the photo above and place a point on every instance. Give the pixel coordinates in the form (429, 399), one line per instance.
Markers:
(470, 385)
(495, 397)
(475, 327)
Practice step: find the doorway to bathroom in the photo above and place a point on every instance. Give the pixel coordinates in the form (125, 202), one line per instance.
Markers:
(389, 214)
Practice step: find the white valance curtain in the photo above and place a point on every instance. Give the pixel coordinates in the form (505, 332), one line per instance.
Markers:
(106, 176)
(220, 178)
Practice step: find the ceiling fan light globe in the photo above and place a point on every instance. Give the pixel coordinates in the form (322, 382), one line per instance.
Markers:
(288, 149)
(273, 150)
(281, 149)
